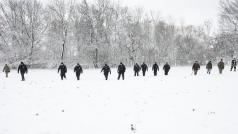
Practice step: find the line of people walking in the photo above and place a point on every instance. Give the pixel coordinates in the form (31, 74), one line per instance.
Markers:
(155, 69)
(62, 69)
(220, 65)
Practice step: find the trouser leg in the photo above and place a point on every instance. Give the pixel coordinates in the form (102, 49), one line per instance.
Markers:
(165, 72)
(119, 75)
(195, 72)
(220, 71)
(123, 76)
(78, 76)
(106, 76)
(22, 77)
(155, 73)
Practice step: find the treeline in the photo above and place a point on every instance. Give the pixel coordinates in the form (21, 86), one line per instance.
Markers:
(43, 34)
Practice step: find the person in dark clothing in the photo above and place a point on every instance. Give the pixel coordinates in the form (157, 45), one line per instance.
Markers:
(6, 69)
(63, 70)
(166, 68)
(136, 69)
(155, 68)
(22, 68)
(121, 71)
(221, 66)
(144, 68)
(106, 70)
(78, 70)
(233, 64)
(196, 67)
(209, 67)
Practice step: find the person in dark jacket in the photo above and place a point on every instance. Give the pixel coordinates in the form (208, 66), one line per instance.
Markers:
(6, 69)
(196, 67)
(121, 71)
(233, 64)
(209, 67)
(221, 66)
(155, 68)
(78, 70)
(166, 68)
(144, 68)
(106, 70)
(63, 70)
(136, 69)
(22, 68)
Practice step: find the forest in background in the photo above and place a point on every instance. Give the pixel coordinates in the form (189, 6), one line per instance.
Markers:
(45, 34)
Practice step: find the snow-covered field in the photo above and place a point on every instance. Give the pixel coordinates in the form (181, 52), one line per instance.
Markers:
(176, 104)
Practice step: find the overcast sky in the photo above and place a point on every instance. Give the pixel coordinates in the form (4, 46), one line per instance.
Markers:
(187, 11)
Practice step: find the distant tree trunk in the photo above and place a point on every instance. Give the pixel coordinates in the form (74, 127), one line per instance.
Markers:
(96, 58)
(63, 49)
(63, 45)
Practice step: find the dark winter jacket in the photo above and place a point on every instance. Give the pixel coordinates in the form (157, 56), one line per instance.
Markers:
(196, 66)
(155, 67)
(144, 67)
(166, 67)
(209, 65)
(136, 68)
(62, 68)
(221, 65)
(121, 68)
(6, 69)
(106, 69)
(233, 63)
(22, 68)
(78, 69)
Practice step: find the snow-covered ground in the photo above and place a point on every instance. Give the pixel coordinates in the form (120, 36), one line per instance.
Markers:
(176, 104)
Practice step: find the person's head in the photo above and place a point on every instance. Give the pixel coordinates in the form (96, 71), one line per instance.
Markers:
(155, 62)
(5, 64)
(121, 63)
(22, 62)
(105, 64)
(78, 64)
(61, 63)
(167, 63)
(210, 61)
(221, 59)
